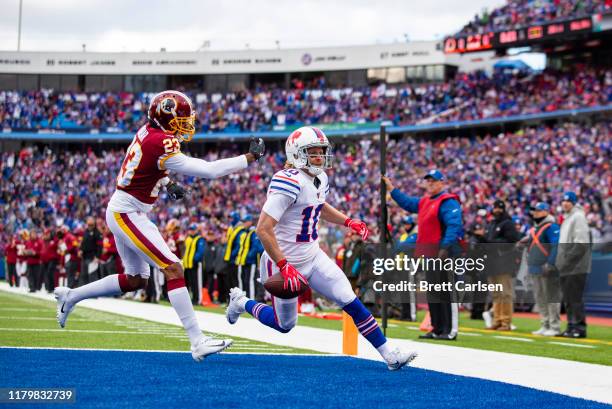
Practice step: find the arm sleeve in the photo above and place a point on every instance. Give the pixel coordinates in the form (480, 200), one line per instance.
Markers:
(553, 238)
(408, 203)
(199, 253)
(189, 166)
(451, 215)
(276, 205)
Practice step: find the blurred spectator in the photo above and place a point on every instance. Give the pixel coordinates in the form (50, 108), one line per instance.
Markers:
(500, 237)
(192, 260)
(33, 249)
(90, 252)
(541, 254)
(10, 251)
(574, 263)
(49, 258)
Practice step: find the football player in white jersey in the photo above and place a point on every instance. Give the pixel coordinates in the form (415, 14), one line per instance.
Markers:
(287, 229)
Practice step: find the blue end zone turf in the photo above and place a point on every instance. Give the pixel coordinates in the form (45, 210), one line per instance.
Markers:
(107, 379)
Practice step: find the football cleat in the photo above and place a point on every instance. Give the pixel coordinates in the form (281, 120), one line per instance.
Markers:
(208, 346)
(397, 359)
(63, 308)
(236, 305)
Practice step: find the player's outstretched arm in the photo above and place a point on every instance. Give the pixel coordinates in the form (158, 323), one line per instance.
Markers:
(333, 215)
(189, 166)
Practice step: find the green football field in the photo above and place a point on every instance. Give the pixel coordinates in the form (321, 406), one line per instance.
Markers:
(30, 322)
(596, 349)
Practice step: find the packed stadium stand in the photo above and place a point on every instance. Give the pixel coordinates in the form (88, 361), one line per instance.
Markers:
(520, 13)
(468, 96)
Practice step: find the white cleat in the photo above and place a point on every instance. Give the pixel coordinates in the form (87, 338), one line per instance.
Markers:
(551, 333)
(236, 304)
(398, 359)
(63, 308)
(208, 346)
(541, 331)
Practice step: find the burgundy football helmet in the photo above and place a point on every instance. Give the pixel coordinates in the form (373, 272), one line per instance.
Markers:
(173, 113)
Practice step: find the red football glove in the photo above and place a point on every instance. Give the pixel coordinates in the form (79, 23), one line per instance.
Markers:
(291, 275)
(358, 227)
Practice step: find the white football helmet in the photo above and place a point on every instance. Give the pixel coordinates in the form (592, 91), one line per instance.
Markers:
(297, 146)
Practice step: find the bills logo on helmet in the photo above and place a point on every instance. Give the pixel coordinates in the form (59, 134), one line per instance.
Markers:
(294, 136)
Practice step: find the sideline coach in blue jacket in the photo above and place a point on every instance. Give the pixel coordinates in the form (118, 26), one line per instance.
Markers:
(440, 232)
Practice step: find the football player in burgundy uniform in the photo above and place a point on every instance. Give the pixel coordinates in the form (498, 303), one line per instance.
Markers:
(154, 151)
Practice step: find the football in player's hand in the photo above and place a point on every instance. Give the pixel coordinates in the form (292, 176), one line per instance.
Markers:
(274, 285)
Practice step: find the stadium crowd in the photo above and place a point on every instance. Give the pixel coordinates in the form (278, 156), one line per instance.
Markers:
(521, 13)
(42, 195)
(470, 96)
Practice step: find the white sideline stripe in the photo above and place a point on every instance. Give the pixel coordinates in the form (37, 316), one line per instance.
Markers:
(513, 338)
(227, 351)
(567, 344)
(588, 381)
(469, 334)
(40, 319)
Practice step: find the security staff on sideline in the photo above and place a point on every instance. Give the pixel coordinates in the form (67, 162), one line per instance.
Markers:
(194, 255)
(440, 232)
(234, 236)
(248, 258)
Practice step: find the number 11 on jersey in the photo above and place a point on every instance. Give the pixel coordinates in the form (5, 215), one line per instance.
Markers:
(304, 236)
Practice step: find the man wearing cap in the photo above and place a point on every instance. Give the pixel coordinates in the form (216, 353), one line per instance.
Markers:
(574, 263)
(440, 231)
(194, 254)
(501, 235)
(541, 255)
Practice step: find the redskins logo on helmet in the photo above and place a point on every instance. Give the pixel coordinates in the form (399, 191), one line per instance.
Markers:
(173, 113)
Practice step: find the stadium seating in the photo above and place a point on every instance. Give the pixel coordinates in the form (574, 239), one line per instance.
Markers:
(39, 187)
(470, 96)
(520, 13)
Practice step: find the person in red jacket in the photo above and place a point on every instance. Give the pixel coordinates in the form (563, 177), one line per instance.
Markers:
(440, 235)
(49, 258)
(33, 249)
(10, 250)
(70, 250)
(110, 262)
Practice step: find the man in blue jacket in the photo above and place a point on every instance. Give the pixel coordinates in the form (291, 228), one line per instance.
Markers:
(439, 235)
(541, 246)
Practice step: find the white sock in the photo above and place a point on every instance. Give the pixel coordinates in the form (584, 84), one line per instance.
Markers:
(108, 285)
(384, 349)
(181, 302)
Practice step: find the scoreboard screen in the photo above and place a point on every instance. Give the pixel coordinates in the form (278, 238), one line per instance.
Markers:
(516, 37)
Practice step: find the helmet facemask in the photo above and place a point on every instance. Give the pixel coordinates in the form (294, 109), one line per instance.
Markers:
(183, 127)
(303, 159)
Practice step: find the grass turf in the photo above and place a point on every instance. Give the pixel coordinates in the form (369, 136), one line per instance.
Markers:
(30, 322)
(596, 349)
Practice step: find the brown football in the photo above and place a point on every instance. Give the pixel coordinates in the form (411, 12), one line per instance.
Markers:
(274, 285)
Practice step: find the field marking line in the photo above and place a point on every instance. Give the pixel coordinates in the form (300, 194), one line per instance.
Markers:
(567, 344)
(162, 351)
(513, 338)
